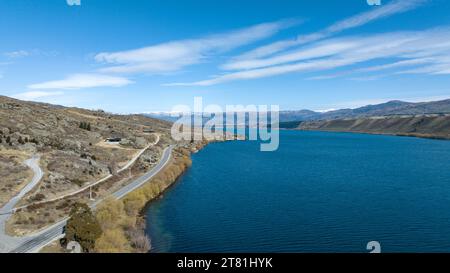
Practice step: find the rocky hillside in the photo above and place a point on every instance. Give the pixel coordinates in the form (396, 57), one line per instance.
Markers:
(71, 143)
(430, 126)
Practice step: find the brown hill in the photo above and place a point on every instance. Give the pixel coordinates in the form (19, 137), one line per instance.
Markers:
(430, 126)
(71, 143)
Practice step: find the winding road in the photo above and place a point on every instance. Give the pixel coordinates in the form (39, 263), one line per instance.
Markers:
(5, 240)
(33, 243)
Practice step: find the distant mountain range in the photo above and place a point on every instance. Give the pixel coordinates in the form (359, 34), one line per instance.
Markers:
(391, 108)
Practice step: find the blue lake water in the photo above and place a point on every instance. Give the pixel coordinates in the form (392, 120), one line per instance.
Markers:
(320, 192)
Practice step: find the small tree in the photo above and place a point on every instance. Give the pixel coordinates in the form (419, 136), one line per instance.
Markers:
(134, 202)
(113, 241)
(20, 140)
(110, 213)
(8, 139)
(85, 125)
(83, 227)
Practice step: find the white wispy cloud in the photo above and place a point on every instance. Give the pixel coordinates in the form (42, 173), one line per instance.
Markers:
(383, 11)
(432, 45)
(435, 69)
(175, 55)
(316, 51)
(271, 71)
(32, 95)
(32, 52)
(403, 63)
(78, 81)
(17, 54)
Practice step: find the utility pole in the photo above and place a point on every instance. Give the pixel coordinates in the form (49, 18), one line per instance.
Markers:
(90, 194)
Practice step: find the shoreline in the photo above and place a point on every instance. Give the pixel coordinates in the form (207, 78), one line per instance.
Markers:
(141, 217)
(129, 221)
(412, 135)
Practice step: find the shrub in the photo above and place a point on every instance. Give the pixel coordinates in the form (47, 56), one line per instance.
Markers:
(38, 197)
(110, 213)
(112, 241)
(134, 202)
(77, 182)
(83, 227)
(138, 239)
(85, 126)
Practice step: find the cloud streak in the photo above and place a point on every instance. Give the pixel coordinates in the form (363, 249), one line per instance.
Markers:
(17, 54)
(394, 7)
(175, 55)
(403, 48)
(78, 81)
(32, 95)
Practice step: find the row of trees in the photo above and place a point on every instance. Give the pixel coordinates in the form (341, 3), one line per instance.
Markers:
(109, 230)
(20, 140)
(116, 226)
(85, 125)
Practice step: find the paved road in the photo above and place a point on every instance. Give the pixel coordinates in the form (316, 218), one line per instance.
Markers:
(141, 180)
(5, 240)
(35, 242)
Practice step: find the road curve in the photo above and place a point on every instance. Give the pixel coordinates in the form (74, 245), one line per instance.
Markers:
(35, 242)
(33, 164)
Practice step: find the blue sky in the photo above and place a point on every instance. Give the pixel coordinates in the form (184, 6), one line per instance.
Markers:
(143, 56)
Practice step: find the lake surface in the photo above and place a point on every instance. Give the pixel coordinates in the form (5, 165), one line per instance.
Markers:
(320, 192)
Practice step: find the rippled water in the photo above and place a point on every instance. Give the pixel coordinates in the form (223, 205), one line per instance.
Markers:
(320, 192)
